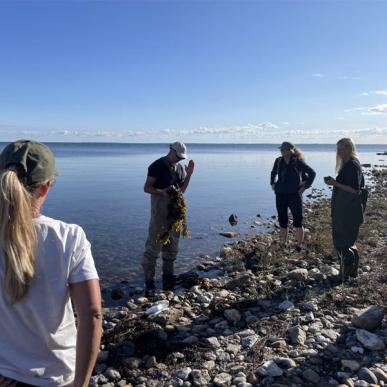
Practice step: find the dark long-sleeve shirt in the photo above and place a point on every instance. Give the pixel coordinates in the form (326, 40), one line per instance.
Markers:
(291, 175)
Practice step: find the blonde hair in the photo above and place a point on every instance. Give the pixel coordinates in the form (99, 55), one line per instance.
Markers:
(17, 235)
(350, 146)
(298, 153)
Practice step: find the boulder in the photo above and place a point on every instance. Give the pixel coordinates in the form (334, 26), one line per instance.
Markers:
(369, 318)
(269, 368)
(298, 274)
(370, 340)
(232, 315)
(296, 335)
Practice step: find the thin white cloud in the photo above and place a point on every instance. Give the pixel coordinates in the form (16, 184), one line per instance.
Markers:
(318, 75)
(375, 92)
(349, 78)
(380, 109)
(340, 118)
(369, 111)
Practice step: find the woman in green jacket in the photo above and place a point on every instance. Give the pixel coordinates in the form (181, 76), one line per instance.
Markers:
(346, 207)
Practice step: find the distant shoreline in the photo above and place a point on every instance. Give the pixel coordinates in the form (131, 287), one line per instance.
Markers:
(225, 144)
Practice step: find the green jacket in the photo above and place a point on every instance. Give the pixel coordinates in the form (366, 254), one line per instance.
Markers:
(347, 216)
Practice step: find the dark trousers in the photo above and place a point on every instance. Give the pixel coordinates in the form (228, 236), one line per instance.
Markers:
(292, 201)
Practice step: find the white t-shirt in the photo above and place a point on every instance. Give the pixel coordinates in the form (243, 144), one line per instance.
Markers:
(38, 333)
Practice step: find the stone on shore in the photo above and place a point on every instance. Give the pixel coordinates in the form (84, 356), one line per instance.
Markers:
(370, 340)
(232, 315)
(269, 368)
(298, 275)
(297, 335)
(369, 318)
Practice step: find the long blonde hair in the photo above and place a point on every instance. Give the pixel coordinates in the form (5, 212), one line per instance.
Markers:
(17, 235)
(350, 146)
(298, 153)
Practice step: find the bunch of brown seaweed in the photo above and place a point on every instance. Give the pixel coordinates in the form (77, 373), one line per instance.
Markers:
(177, 216)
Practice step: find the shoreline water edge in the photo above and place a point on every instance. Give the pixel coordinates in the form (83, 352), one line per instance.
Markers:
(260, 314)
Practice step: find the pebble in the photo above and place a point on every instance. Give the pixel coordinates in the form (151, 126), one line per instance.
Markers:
(311, 376)
(213, 341)
(296, 335)
(352, 365)
(249, 341)
(370, 340)
(369, 318)
(190, 340)
(269, 368)
(367, 375)
(286, 305)
(222, 379)
(232, 315)
(184, 373)
(112, 374)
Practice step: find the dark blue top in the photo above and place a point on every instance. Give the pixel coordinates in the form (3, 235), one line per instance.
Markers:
(351, 174)
(291, 175)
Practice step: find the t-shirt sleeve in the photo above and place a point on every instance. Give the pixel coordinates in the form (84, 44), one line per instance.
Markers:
(82, 267)
(154, 169)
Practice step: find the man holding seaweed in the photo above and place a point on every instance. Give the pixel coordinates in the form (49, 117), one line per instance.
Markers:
(166, 181)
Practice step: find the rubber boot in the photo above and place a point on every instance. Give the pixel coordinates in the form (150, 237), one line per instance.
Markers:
(355, 267)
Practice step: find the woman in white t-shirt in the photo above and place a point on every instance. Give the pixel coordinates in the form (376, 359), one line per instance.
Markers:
(44, 264)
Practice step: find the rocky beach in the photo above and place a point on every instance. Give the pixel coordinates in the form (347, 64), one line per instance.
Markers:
(260, 314)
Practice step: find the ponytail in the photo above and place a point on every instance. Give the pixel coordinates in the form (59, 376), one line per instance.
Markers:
(17, 235)
(298, 153)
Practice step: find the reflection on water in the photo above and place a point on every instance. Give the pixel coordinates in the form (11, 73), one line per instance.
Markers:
(101, 188)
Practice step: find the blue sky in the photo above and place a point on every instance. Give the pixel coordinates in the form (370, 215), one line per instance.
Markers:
(199, 71)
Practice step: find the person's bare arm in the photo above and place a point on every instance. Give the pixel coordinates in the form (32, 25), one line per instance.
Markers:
(331, 181)
(86, 296)
(189, 171)
(148, 187)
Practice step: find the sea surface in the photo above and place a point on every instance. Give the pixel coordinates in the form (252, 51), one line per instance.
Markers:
(101, 189)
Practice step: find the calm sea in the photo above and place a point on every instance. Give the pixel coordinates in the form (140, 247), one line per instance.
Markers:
(101, 189)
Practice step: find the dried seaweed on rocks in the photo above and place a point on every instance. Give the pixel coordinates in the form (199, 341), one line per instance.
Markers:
(177, 216)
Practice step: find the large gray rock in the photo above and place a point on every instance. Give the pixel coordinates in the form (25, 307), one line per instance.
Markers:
(112, 374)
(352, 365)
(311, 376)
(232, 315)
(298, 274)
(369, 318)
(296, 335)
(243, 280)
(370, 340)
(249, 341)
(200, 377)
(367, 375)
(213, 341)
(286, 305)
(184, 373)
(285, 362)
(269, 368)
(222, 379)
(381, 375)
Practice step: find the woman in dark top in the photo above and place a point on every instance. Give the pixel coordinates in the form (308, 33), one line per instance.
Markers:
(346, 207)
(294, 176)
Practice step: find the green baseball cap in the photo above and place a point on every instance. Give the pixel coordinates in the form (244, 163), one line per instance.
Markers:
(34, 160)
